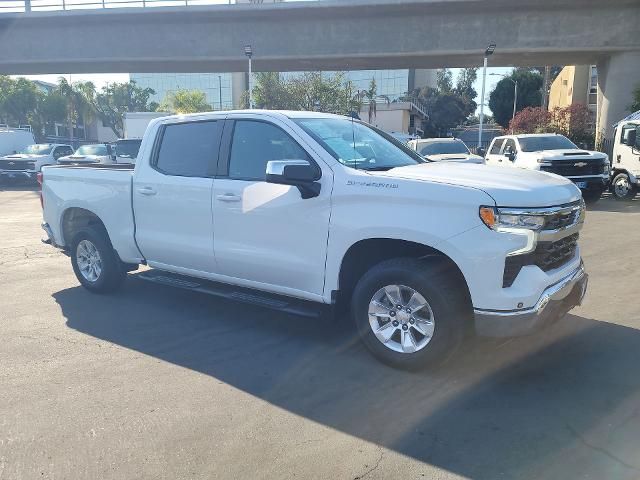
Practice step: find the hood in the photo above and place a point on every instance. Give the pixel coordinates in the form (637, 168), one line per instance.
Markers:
(456, 157)
(23, 156)
(569, 154)
(509, 187)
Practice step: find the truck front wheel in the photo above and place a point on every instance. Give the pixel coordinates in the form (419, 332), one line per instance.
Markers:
(94, 261)
(410, 313)
(593, 195)
(622, 187)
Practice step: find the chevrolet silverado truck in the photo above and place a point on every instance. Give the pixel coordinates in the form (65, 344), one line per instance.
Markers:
(29, 161)
(296, 210)
(550, 152)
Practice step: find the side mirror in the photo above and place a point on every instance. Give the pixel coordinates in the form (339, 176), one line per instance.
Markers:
(481, 151)
(511, 155)
(298, 173)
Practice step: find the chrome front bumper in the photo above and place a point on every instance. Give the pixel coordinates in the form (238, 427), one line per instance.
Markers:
(553, 304)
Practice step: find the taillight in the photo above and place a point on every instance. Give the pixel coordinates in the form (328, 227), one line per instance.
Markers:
(40, 182)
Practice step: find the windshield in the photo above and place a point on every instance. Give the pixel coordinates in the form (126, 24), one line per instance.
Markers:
(37, 149)
(552, 142)
(128, 148)
(357, 145)
(92, 150)
(440, 148)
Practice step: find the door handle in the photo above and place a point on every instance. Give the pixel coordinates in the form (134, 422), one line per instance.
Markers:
(146, 191)
(228, 197)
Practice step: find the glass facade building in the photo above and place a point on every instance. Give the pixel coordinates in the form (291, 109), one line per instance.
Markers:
(217, 87)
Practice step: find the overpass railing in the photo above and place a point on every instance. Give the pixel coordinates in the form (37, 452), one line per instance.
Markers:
(26, 6)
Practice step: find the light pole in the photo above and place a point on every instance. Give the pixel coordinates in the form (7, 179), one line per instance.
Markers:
(515, 93)
(220, 90)
(489, 51)
(248, 51)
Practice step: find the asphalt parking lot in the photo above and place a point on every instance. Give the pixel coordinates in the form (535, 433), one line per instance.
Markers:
(158, 383)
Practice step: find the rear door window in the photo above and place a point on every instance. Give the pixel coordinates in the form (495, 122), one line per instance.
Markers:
(188, 149)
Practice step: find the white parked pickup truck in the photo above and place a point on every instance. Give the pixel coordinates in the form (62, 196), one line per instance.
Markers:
(283, 210)
(553, 153)
(30, 160)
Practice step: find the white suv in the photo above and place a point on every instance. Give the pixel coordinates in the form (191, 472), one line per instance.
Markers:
(549, 152)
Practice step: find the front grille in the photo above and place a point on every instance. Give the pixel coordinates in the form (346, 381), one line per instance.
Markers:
(577, 168)
(16, 165)
(561, 220)
(547, 256)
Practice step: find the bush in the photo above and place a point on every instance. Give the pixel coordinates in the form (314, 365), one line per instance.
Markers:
(574, 122)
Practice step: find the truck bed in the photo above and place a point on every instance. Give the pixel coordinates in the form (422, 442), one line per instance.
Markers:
(104, 190)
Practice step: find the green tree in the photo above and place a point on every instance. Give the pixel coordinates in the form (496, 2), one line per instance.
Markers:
(635, 106)
(116, 99)
(372, 97)
(308, 91)
(80, 100)
(270, 92)
(444, 80)
(529, 95)
(18, 100)
(464, 89)
(185, 101)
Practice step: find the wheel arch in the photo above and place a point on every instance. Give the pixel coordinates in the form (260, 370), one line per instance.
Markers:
(365, 253)
(74, 219)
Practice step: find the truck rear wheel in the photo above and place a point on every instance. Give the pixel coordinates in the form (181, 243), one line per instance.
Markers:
(94, 261)
(622, 188)
(410, 313)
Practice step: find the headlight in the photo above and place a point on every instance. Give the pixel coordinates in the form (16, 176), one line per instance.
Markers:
(499, 218)
(606, 168)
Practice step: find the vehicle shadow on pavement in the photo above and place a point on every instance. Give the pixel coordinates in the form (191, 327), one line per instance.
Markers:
(609, 204)
(19, 187)
(565, 404)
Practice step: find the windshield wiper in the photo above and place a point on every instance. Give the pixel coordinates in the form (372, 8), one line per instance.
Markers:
(379, 169)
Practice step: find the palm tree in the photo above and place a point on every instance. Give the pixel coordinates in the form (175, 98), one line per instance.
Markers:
(80, 100)
(372, 96)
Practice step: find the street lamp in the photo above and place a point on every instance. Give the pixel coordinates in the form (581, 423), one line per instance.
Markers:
(489, 51)
(248, 51)
(515, 93)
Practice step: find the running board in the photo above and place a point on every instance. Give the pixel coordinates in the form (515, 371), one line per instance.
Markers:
(238, 294)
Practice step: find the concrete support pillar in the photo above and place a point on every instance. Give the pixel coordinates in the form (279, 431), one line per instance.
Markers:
(238, 88)
(618, 76)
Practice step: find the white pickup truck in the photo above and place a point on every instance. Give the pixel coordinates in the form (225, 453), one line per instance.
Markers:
(553, 153)
(283, 210)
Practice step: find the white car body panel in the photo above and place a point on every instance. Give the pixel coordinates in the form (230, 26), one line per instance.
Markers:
(271, 239)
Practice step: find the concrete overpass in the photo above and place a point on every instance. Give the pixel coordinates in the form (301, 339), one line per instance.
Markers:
(335, 35)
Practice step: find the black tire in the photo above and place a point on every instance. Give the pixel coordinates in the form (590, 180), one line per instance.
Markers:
(623, 193)
(112, 274)
(591, 196)
(434, 279)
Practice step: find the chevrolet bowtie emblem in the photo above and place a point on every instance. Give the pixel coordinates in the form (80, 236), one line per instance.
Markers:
(580, 164)
(12, 163)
